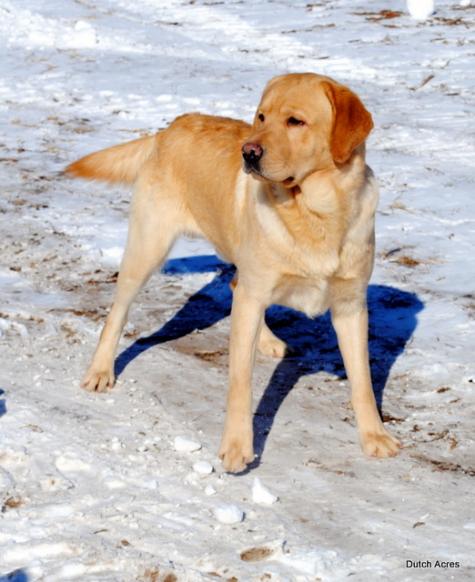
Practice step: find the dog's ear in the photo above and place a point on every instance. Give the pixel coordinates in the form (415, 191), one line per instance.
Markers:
(352, 122)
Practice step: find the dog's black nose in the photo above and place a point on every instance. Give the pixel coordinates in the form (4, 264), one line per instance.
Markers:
(252, 153)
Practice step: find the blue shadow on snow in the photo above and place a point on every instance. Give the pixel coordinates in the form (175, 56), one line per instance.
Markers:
(3, 407)
(15, 576)
(313, 343)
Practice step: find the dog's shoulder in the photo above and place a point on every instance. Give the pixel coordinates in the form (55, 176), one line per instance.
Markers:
(357, 252)
(201, 123)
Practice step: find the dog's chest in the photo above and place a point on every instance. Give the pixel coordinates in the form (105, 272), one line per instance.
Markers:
(311, 296)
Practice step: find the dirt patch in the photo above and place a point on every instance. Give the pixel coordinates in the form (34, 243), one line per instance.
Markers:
(407, 261)
(93, 314)
(381, 15)
(388, 417)
(210, 355)
(256, 554)
(451, 21)
(335, 470)
(150, 575)
(446, 466)
(206, 355)
(11, 503)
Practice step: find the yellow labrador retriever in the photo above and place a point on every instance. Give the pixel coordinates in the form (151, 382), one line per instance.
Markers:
(289, 201)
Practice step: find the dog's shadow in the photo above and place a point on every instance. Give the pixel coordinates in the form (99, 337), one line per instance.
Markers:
(313, 344)
(16, 576)
(3, 406)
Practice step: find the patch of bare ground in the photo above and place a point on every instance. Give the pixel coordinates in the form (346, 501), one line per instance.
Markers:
(256, 554)
(381, 15)
(445, 466)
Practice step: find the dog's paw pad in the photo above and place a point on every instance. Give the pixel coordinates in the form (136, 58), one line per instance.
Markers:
(95, 381)
(235, 456)
(380, 445)
(273, 347)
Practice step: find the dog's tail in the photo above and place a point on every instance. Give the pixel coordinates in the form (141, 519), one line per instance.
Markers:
(120, 163)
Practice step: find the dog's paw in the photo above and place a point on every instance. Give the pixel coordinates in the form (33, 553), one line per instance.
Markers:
(380, 444)
(98, 380)
(236, 453)
(272, 346)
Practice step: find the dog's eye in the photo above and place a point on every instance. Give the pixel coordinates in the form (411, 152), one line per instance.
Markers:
(293, 121)
(261, 117)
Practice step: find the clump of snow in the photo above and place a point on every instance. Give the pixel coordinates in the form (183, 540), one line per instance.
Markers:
(116, 444)
(203, 468)
(85, 34)
(260, 493)
(420, 9)
(228, 514)
(186, 445)
(114, 483)
(312, 562)
(71, 464)
(210, 490)
(112, 255)
(7, 326)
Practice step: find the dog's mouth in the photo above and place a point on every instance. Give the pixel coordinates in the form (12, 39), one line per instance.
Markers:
(257, 173)
(248, 169)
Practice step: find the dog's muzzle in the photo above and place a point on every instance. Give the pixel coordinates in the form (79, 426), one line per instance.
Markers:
(252, 154)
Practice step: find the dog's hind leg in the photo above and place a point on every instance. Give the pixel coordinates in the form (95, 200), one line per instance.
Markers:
(268, 344)
(154, 224)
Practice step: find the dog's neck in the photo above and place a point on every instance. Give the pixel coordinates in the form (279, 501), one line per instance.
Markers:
(325, 194)
(330, 190)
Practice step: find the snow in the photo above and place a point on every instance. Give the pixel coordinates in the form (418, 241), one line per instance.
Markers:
(210, 490)
(260, 493)
(203, 468)
(92, 487)
(186, 445)
(228, 514)
(420, 9)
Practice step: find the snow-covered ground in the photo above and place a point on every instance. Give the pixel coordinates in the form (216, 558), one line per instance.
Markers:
(92, 486)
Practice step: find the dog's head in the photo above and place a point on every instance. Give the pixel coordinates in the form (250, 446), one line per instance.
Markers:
(304, 123)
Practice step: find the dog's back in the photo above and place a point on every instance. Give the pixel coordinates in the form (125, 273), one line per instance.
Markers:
(197, 158)
(192, 139)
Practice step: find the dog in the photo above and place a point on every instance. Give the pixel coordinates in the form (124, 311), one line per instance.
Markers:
(289, 200)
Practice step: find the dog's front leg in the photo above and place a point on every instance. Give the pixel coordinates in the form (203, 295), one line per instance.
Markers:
(247, 316)
(352, 332)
